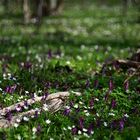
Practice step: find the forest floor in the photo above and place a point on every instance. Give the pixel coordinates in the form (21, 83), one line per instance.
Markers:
(63, 54)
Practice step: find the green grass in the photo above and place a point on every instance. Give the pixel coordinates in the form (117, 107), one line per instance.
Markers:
(64, 53)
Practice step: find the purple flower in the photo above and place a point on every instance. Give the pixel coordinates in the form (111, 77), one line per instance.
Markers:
(113, 103)
(48, 85)
(44, 97)
(66, 112)
(65, 87)
(106, 96)
(8, 115)
(18, 108)
(78, 110)
(81, 123)
(10, 89)
(71, 104)
(56, 84)
(74, 131)
(49, 53)
(38, 128)
(90, 129)
(111, 85)
(87, 83)
(121, 125)
(36, 114)
(98, 123)
(114, 124)
(96, 83)
(25, 103)
(27, 65)
(116, 65)
(91, 102)
(126, 85)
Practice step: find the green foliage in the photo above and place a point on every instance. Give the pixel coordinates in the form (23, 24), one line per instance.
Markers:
(64, 54)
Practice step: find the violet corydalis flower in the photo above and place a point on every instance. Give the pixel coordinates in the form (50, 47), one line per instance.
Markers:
(8, 115)
(66, 112)
(18, 108)
(74, 131)
(87, 83)
(116, 65)
(25, 103)
(91, 102)
(48, 85)
(81, 123)
(121, 125)
(113, 103)
(98, 122)
(96, 83)
(78, 109)
(36, 114)
(71, 104)
(49, 54)
(114, 124)
(111, 85)
(90, 129)
(10, 89)
(44, 97)
(27, 65)
(38, 128)
(126, 85)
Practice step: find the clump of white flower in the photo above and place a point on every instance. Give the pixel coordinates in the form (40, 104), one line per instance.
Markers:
(26, 92)
(105, 124)
(87, 114)
(69, 127)
(64, 129)
(111, 114)
(76, 106)
(96, 99)
(48, 121)
(85, 130)
(45, 107)
(34, 130)
(16, 125)
(126, 115)
(81, 103)
(97, 114)
(25, 118)
(79, 132)
(18, 137)
(86, 135)
(18, 120)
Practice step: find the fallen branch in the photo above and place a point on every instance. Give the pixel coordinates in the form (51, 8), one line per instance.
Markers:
(54, 103)
(136, 72)
(123, 63)
(128, 63)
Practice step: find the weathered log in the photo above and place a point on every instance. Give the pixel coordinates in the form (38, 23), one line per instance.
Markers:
(128, 63)
(123, 64)
(54, 103)
(136, 56)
